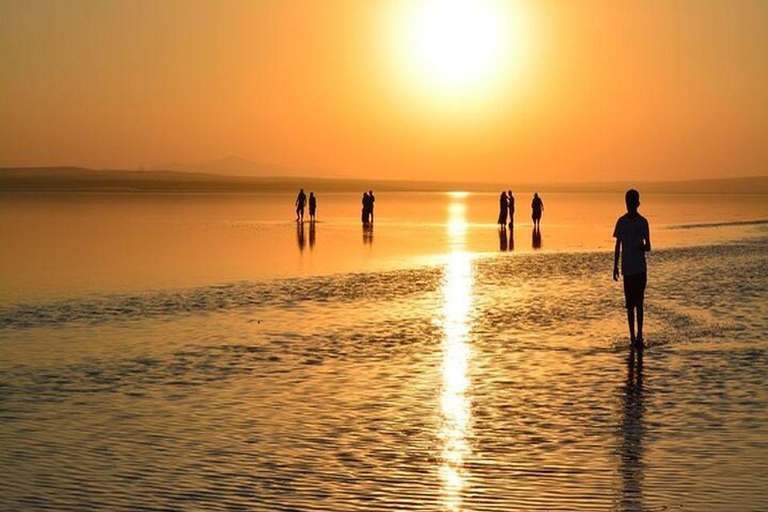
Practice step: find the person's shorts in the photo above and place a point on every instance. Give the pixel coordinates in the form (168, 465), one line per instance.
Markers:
(634, 289)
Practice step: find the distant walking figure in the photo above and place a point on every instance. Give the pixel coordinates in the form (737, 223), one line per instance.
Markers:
(511, 202)
(312, 206)
(371, 200)
(537, 206)
(301, 200)
(633, 240)
(503, 209)
(366, 208)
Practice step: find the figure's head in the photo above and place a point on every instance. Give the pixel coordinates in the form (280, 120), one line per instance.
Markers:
(301, 190)
(312, 194)
(535, 194)
(370, 192)
(509, 192)
(632, 199)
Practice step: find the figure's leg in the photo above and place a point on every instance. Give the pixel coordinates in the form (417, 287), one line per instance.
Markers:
(631, 322)
(640, 325)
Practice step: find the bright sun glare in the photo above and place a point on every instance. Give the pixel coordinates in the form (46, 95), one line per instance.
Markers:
(459, 47)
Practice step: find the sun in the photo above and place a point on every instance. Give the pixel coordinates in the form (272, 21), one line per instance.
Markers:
(458, 47)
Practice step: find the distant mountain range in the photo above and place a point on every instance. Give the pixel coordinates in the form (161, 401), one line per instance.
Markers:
(78, 179)
(238, 166)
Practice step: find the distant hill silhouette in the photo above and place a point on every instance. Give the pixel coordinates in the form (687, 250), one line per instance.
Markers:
(78, 179)
(238, 166)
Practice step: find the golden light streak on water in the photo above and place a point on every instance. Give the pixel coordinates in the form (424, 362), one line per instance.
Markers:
(455, 397)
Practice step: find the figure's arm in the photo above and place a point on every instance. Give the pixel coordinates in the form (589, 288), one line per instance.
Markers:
(647, 239)
(616, 254)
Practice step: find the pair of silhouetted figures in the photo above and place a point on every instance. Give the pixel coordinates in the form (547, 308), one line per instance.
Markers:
(301, 201)
(507, 207)
(368, 200)
(506, 204)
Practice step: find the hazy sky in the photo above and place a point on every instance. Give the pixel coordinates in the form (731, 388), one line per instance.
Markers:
(485, 90)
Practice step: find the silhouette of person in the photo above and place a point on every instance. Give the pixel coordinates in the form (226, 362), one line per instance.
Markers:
(502, 238)
(312, 206)
(312, 235)
(537, 206)
(633, 240)
(300, 235)
(301, 200)
(536, 237)
(371, 200)
(631, 442)
(503, 209)
(366, 208)
(511, 203)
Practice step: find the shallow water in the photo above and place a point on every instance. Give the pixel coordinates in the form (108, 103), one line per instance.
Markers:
(467, 380)
(83, 244)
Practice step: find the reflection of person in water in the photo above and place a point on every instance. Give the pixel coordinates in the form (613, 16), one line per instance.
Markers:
(368, 234)
(631, 442)
(300, 235)
(511, 202)
(311, 235)
(312, 206)
(503, 209)
(536, 237)
(301, 200)
(511, 239)
(502, 238)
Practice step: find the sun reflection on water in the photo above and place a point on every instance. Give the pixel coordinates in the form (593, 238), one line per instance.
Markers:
(455, 397)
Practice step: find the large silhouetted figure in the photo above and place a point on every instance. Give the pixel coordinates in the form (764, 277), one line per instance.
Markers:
(537, 206)
(633, 240)
(312, 206)
(503, 209)
(511, 202)
(301, 200)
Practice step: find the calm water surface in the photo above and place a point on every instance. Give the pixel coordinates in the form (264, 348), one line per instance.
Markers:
(200, 353)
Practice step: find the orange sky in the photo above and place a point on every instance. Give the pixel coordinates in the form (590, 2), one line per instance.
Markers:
(652, 89)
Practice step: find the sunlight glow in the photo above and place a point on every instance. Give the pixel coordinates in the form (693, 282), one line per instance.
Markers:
(455, 400)
(460, 49)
